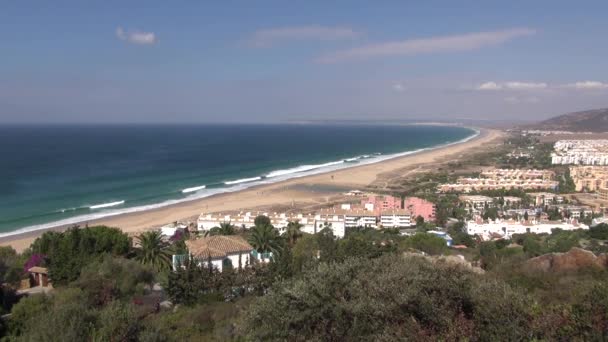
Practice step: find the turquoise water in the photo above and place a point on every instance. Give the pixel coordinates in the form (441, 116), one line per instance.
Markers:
(54, 175)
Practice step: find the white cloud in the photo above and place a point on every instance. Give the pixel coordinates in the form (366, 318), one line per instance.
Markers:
(525, 85)
(489, 86)
(587, 85)
(136, 37)
(398, 87)
(268, 37)
(453, 43)
(512, 86)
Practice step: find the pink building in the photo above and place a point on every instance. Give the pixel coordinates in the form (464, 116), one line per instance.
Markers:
(378, 204)
(419, 207)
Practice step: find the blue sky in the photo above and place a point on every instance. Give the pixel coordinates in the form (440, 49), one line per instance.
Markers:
(269, 61)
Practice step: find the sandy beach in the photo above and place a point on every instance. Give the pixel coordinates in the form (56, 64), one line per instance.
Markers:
(297, 192)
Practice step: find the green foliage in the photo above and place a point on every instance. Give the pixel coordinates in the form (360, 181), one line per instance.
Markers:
(387, 298)
(265, 238)
(262, 220)
(428, 243)
(566, 183)
(62, 317)
(293, 232)
(193, 284)
(305, 252)
(599, 232)
(116, 322)
(208, 322)
(153, 251)
(68, 252)
(113, 279)
(225, 228)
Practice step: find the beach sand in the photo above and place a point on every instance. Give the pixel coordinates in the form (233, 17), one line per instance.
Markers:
(304, 191)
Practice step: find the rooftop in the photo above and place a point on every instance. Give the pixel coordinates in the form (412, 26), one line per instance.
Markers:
(218, 246)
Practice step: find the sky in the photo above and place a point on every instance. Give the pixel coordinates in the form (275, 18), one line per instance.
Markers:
(285, 61)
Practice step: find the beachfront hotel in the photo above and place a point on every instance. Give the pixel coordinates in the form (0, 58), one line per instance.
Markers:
(311, 223)
(506, 228)
(580, 152)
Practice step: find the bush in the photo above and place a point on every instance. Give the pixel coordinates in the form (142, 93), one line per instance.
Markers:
(388, 298)
(68, 252)
(428, 243)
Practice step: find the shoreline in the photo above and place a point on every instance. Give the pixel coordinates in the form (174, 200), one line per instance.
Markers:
(284, 192)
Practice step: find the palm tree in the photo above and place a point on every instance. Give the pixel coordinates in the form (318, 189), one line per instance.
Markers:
(265, 239)
(225, 228)
(153, 251)
(293, 232)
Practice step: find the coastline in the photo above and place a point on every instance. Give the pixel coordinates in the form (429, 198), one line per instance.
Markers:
(299, 190)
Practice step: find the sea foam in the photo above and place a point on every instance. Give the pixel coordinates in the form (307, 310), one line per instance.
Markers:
(106, 205)
(193, 189)
(244, 180)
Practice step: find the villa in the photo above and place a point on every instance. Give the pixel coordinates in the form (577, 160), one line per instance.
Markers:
(223, 251)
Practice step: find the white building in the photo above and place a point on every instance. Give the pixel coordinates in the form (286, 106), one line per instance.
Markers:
(580, 152)
(396, 218)
(477, 201)
(359, 218)
(169, 230)
(507, 228)
(546, 198)
(311, 223)
(223, 251)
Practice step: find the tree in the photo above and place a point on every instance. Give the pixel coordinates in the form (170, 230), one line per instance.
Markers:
(68, 252)
(262, 220)
(526, 215)
(225, 228)
(265, 238)
(153, 251)
(419, 221)
(293, 232)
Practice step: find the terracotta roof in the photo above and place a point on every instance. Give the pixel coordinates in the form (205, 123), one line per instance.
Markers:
(218, 246)
(38, 269)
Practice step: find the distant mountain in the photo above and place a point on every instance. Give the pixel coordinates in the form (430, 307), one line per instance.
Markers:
(595, 120)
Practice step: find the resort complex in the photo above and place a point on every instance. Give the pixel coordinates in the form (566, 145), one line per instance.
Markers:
(580, 152)
(503, 179)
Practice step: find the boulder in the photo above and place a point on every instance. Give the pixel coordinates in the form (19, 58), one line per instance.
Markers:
(573, 260)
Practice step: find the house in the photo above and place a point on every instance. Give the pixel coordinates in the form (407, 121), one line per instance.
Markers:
(221, 250)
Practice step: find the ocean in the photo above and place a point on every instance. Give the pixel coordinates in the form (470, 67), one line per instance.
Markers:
(55, 175)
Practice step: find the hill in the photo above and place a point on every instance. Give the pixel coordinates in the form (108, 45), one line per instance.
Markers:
(595, 120)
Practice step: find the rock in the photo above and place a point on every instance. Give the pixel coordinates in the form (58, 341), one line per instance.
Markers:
(166, 304)
(573, 260)
(157, 287)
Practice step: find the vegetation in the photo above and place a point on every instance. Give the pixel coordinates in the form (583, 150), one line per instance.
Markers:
(68, 252)
(369, 285)
(153, 251)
